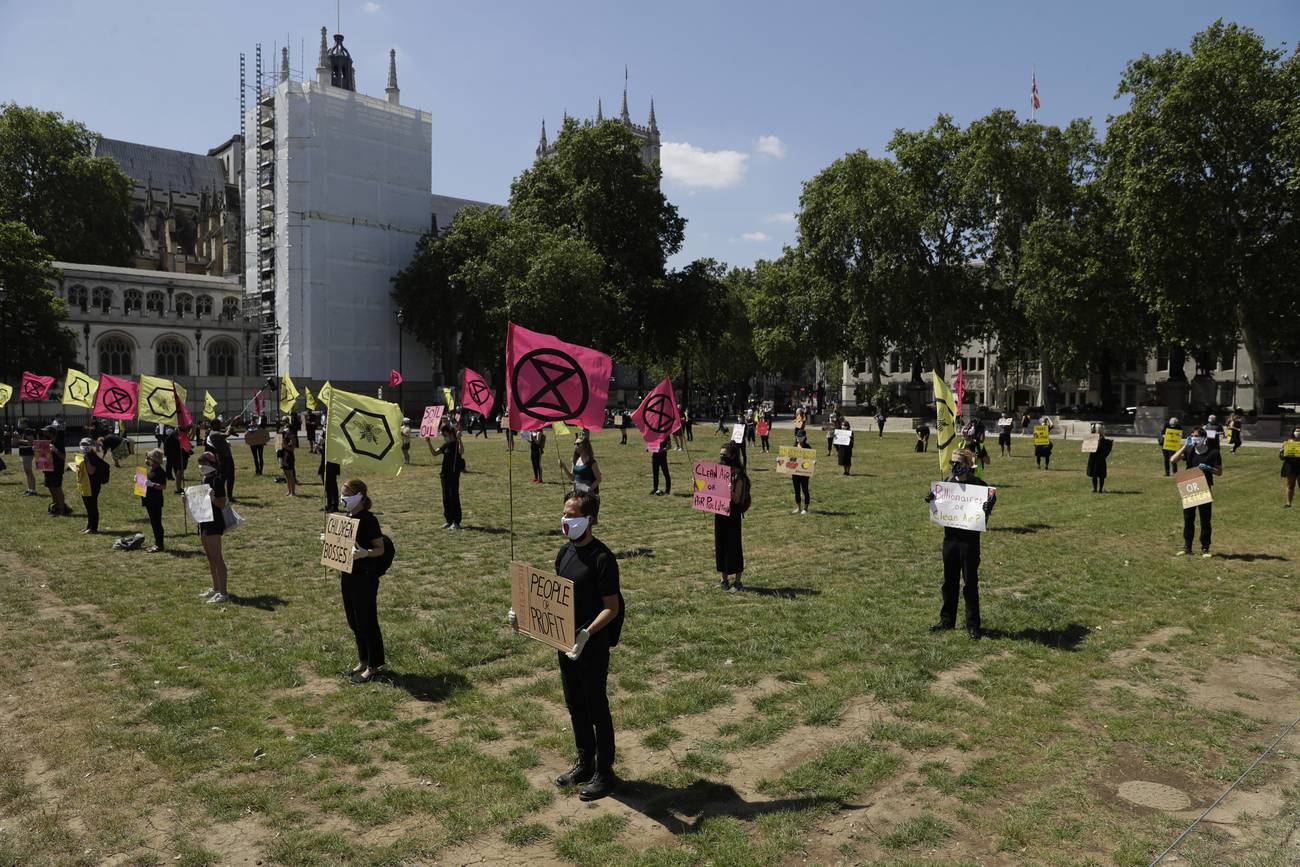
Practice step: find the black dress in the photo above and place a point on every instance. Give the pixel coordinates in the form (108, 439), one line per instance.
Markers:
(1097, 460)
(728, 548)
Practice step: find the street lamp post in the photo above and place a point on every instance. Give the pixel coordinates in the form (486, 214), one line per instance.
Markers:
(85, 331)
(401, 394)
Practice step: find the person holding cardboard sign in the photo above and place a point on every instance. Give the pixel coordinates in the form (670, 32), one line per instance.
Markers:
(360, 588)
(210, 532)
(1206, 456)
(1170, 442)
(843, 438)
(1290, 455)
(728, 546)
(961, 554)
(1097, 459)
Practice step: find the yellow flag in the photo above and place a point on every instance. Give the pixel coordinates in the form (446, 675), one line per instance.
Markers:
(449, 397)
(364, 432)
(6, 392)
(323, 396)
(561, 428)
(307, 396)
(288, 393)
(945, 427)
(79, 389)
(157, 401)
(209, 406)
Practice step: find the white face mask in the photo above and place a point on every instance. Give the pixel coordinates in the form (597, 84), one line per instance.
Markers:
(1198, 441)
(207, 469)
(350, 502)
(574, 528)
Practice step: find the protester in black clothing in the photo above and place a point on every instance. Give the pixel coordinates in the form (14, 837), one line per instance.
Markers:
(687, 424)
(289, 463)
(54, 479)
(481, 427)
(659, 461)
(177, 457)
(155, 486)
(309, 422)
(361, 588)
(584, 669)
(95, 469)
(1290, 466)
(624, 423)
(210, 532)
(844, 454)
(1043, 453)
(1097, 459)
(1004, 435)
(256, 426)
(728, 545)
(27, 455)
(1200, 453)
(295, 424)
(961, 554)
(880, 421)
(1170, 463)
(329, 472)
(217, 443)
(453, 463)
(923, 438)
(536, 447)
(801, 483)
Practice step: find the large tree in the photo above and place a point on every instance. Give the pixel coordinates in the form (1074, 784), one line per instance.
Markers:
(32, 336)
(1203, 163)
(78, 204)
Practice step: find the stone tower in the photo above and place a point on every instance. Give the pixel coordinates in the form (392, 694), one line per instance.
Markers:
(647, 134)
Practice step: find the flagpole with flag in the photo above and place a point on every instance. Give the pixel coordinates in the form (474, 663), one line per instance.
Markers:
(1033, 93)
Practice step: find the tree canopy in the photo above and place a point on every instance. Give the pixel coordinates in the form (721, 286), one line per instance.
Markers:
(32, 335)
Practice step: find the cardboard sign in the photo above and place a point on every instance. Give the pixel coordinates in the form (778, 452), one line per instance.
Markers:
(1042, 435)
(1193, 487)
(198, 501)
(543, 605)
(794, 461)
(141, 482)
(711, 489)
(42, 456)
(961, 506)
(737, 433)
(1091, 444)
(618, 420)
(432, 418)
(1173, 439)
(1291, 449)
(340, 540)
(843, 437)
(257, 438)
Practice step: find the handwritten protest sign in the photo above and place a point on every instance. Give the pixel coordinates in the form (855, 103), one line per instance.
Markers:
(843, 437)
(960, 506)
(794, 461)
(432, 418)
(1004, 422)
(1291, 449)
(1173, 439)
(711, 491)
(1091, 444)
(1042, 435)
(198, 501)
(141, 482)
(42, 456)
(737, 433)
(1193, 487)
(340, 540)
(257, 438)
(543, 605)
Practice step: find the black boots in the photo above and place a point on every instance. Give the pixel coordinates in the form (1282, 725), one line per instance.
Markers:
(581, 772)
(602, 784)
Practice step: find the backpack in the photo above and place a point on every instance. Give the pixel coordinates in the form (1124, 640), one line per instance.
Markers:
(746, 501)
(615, 629)
(385, 560)
(129, 543)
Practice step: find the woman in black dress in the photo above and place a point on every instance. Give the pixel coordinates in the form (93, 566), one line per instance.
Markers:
(96, 473)
(155, 486)
(1097, 459)
(361, 587)
(210, 532)
(453, 463)
(728, 548)
(845, 453)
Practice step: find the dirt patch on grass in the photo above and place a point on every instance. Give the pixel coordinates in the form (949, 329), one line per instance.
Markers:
(948, 683)
(1142, 650)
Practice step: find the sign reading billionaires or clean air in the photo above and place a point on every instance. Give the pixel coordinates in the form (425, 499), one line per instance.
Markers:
(843, 437)
(339, 542)
(543, 605)
(711, 491)
(960, 506)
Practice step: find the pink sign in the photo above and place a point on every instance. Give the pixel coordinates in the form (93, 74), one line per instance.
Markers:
(42, 456)
(429, 424)
(712, 488)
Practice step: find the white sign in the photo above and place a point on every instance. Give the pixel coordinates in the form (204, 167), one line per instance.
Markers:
(843, 437)
(1004, 422)
(737, 433)
(198, 500)
(960, 506)
(1211, 434)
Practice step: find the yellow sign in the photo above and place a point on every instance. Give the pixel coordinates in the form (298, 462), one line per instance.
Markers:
(561, 428)
(1173, 439)
(794, 461)
(141, 479)
(79, 389)
(448, 397)
(1291, 449)
(1042, 435)
(1193, 487)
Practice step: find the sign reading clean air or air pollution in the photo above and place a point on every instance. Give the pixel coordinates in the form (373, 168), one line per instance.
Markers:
(960, 506)
(543, 605)
(794, 461)
(1193, 487)
(42, 456)
(339, 542)
(711, 490)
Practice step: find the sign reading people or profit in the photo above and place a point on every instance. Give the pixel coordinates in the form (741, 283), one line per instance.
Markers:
(141, 482)
(794, 461)
(543, 605)
(432, 418)
(79, 389)
(1193, 487)
(1173, 439)
(960, 506)
(198, 501)
(711, 489)
(843, 437)
(548, 380)
(363, 432)
(657, 417)
(42, 456)
(737, 433)
(1091, 444)
(1291, 449)
(1042, 435)
(339, 542)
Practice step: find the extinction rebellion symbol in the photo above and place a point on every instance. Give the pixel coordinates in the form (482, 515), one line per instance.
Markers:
(658, 415)
(162, 402)
(478, 391)
(33, 390)
(118, 400)
(550, 402)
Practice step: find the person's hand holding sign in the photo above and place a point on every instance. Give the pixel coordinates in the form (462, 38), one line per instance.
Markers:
(579, 643)
(513, 620)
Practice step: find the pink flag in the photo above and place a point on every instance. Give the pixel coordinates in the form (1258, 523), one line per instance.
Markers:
(257, 402)
(183, 418)
(548, 380)
(961, 388)
(116, 398)
(475, 393)
(394, 378)
(657, 416)
(34, 386)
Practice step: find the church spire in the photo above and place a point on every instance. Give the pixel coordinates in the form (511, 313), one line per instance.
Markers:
(392, 91)
(600, 115)
(542, 147)
(284, 63)
(626, 118)
(323, 64)
(654, 127)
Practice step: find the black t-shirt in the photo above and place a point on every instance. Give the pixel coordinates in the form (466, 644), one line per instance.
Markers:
(594, 571)
(154, 496)
(97, 467)
(367, 532)
(1211, 458)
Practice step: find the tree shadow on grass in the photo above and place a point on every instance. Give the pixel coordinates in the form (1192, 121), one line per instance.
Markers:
(1249, 558)
(1068, 638)
(262, 602)
(1024, 530)
(682, 809)
(783, 592)
(426, 687)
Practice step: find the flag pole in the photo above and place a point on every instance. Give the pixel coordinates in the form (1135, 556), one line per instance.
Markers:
(510, 484)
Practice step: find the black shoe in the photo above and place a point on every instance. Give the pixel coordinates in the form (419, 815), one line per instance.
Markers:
(941, 627)
(579, 773)
(601, 785)
(975, 632)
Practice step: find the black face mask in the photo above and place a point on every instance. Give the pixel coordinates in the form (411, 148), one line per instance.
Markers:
(960, 469)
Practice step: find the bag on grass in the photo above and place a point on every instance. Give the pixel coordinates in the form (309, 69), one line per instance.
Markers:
(129, 543)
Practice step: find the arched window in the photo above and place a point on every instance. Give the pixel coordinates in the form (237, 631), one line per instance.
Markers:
(230, 308)
(171, 358)
(77, 298)
(115, 355)
(155, 302)
(101, 298)
(203, 305)
(222, 360)
(132, 300)
(184, 303)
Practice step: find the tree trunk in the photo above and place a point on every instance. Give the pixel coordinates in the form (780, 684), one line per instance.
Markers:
(1177, 363)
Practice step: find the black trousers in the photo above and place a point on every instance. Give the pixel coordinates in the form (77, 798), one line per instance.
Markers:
(155, 511)
(535, 455)
(623, 431)
(690, 432)
(1169, 466)
(744, 453)
(800, 486)
(331, 486)
(961, 559)
(361, 605)
(1189, 525)
(881, 425)
(585, 697)
(450, 497)
(92, 511)
(659, 461)
(257, 458)
(228, 476)
(766, 445)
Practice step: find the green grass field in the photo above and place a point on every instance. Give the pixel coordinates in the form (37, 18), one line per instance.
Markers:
(810, 720)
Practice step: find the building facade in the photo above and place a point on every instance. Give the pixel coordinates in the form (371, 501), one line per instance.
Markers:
(647, 135)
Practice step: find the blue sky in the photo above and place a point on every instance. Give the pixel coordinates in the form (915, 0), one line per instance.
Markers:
(752, 98)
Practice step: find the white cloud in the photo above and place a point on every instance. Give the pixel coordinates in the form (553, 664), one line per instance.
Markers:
(755, 237)
(694, 167)
(771, 146)
(786, 217)
(370, 6)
